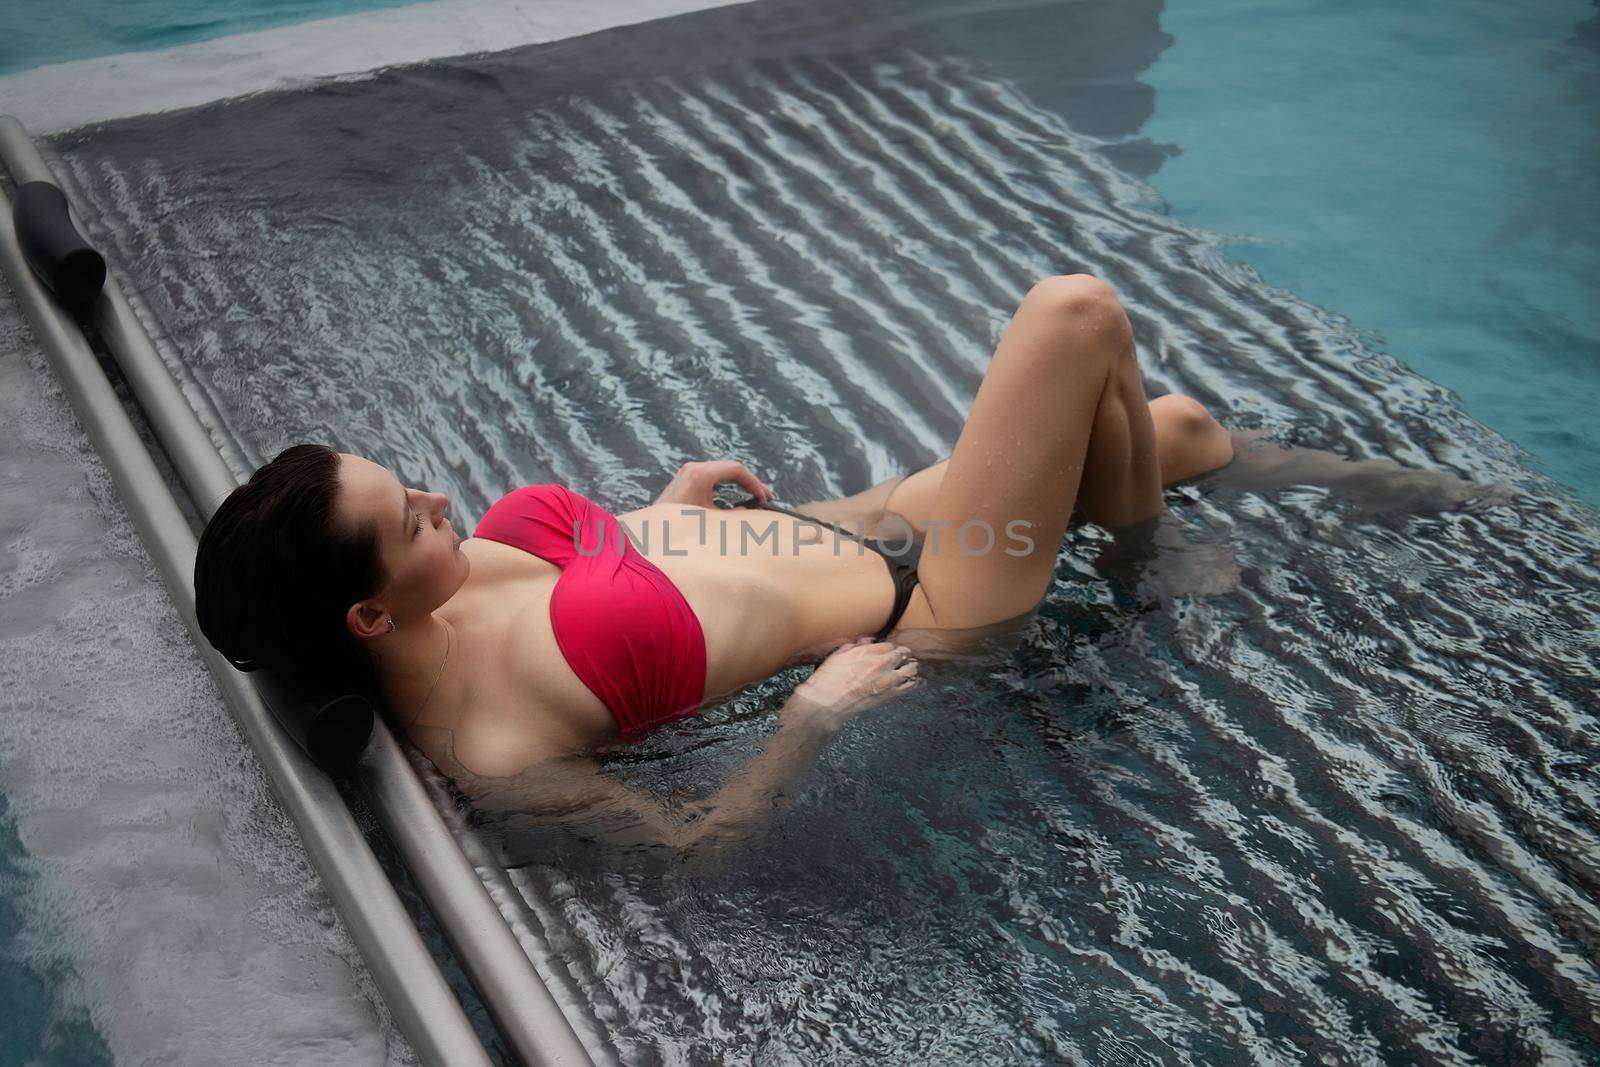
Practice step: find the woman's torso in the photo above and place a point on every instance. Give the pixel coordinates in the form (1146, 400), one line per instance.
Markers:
(768, 590)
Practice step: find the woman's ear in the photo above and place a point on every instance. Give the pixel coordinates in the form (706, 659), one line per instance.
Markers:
(368, 620)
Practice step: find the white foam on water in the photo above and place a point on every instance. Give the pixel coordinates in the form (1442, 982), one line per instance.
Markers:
(65, 95)
(164, 874)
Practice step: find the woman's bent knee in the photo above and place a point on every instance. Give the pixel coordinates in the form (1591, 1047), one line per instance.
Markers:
(1199, 442)
(1188, 415)
(1082, 311)
(1073, 295)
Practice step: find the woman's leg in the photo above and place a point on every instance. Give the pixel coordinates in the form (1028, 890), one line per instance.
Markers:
(1189, 442)
(1192, 443)
(1059, 420)
(1374, 484)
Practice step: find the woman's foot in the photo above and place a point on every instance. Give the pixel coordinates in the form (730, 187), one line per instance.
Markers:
(1376, 485)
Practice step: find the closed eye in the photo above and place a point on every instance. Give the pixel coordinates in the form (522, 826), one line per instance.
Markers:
(418, 530)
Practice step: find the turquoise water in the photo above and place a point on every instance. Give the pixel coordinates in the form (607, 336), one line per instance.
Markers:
(35, 35)
(47, 1023)
(1430, 170)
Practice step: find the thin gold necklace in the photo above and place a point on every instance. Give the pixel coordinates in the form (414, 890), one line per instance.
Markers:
(449, 632)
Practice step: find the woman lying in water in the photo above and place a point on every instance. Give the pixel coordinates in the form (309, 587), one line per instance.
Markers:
(547, 636)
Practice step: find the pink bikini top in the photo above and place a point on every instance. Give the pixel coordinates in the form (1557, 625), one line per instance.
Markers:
(624, 628)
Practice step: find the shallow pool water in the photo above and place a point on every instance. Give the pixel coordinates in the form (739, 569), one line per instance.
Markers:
(1343, 811)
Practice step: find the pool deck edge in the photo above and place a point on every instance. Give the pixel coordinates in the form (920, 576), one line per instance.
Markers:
(63, 96)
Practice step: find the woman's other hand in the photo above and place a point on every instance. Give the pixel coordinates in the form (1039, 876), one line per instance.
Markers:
(694, 482)
(858, 676)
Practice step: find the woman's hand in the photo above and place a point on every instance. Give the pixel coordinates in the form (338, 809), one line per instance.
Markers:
(694, 481)
(858, 676)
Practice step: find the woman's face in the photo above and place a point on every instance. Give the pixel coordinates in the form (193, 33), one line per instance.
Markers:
(420, 549)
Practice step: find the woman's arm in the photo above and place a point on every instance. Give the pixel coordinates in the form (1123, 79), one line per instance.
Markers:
(765, 783)
(575, 793)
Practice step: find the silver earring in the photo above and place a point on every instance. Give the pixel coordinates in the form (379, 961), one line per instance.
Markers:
(391, 624)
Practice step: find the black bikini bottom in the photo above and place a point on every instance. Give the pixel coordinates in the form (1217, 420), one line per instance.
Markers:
(901, 556)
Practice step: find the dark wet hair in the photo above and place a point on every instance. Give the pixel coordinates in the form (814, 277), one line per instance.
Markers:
(277, 570)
